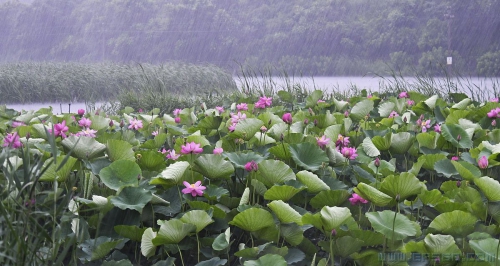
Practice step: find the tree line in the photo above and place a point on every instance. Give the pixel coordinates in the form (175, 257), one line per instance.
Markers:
(308, 37)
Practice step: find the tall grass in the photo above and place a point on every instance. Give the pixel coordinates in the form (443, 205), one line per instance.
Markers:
(78, 82)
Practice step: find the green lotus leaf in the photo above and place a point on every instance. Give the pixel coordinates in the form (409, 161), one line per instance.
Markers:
(333, 217)
(373, 195)
(60, 171)
(284, 212)
(428, 139)
(253, 219)
(99, 122)
(210, 122)
(313, 182)
(369, 148)
(247, 128)
(332, 132)
(382, 143)
(134, 198)
(283, 192)
(123, 262)
(339, 105)
(361, 109)
(259, 187)
(386, 108)
(431, 102)
(213, 166)
(121, 173)
(329, 198)
(174, 130)
(346, 245)
(455, 223)
(273, 172)
(405, 185)
(172, 232)
(370, 238)
(462, 104)
(269, 116)
(324, 120)
(240, 159)
(281, 151)
(308, 156)
(199, 218)
(455, 115)
(313, 97)
(285, 96)
(401, 142)
(489, 186)
(214, 192)
(131, 232)
(262, 139)
(429, 160)
(201, 205)
(84, 147)
(222, 241)
(119, 150)
(445, 167)
(216, 261)
(486, 249)
(95, 249)
(393, 228)
(292, 233)
(467, 170)
(277, 130)
(151, 160)
(172, 175)
(266, 260)
(245, 197)
(156, 143)
(294, 137)
(451, 132)
(441, 244)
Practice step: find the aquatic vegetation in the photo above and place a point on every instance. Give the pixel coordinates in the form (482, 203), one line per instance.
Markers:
(299, 182)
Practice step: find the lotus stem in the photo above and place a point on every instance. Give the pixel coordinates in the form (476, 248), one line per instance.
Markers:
(180, 254)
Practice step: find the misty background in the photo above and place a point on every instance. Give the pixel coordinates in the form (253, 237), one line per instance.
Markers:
(306, 37)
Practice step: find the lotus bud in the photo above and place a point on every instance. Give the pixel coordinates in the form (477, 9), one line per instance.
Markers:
(459, 183)
(346, 114)
(28, 136)
(494, 123)
(306, 121)
(377, 162)
(282, 137)
(459, 137)
(111, 123)
(334, 232)
(81, 112)
(311, 111)
(122, 124)
(483, 162)
(398, 197)
(269, 123)
(405, 119)
(315, 122)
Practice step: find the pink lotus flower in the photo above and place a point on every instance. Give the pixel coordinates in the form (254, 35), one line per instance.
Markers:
(494, 123)
(320, 101)
(17, 124)
(437, 128)
(251, 166)
(194, 189)
(12, 140)
(177, 120)
(369, 96)
(393, 114)
(87, 133)
(494, 113)
(85, 122)
(81, 112)
(172, 155)
(357, 199)
(483, 162)
(323, 141)
(425, 125)
(264, 102)
(155, 133)
(60, 129)
(410, 102)
(135, 124)
(349, 153)
(242, 107)
(220, 109)
(191, 147)
(232, 127)
(235, 118)
(346, 114)
(495, 100)
(177, 112)
(218, 151)
(454, 158)
(163, 151)
(404, 94)
(287, 118)
(342, 141)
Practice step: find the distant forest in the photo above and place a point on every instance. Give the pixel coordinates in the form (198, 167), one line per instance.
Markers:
(301, 37)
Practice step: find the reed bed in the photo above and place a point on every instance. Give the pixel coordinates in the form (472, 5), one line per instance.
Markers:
(26, 82)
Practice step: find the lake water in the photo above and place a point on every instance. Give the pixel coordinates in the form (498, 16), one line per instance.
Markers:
(484, 87)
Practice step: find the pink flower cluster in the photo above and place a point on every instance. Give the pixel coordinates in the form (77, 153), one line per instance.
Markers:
(251, 166)
(135, 124)
(60, 129)
(235, 118)
(424, 124)
(191, 148)
(342, 144)
(264, 102)
(357, 199)
(393, 114)
(12, 140)
(242, 107)
(176, 113)
(323, 141)
(404, 94)
(494, 113)
(87, 132)
(195, 189)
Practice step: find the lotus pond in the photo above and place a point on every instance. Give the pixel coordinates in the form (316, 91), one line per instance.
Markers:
(377, 179)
